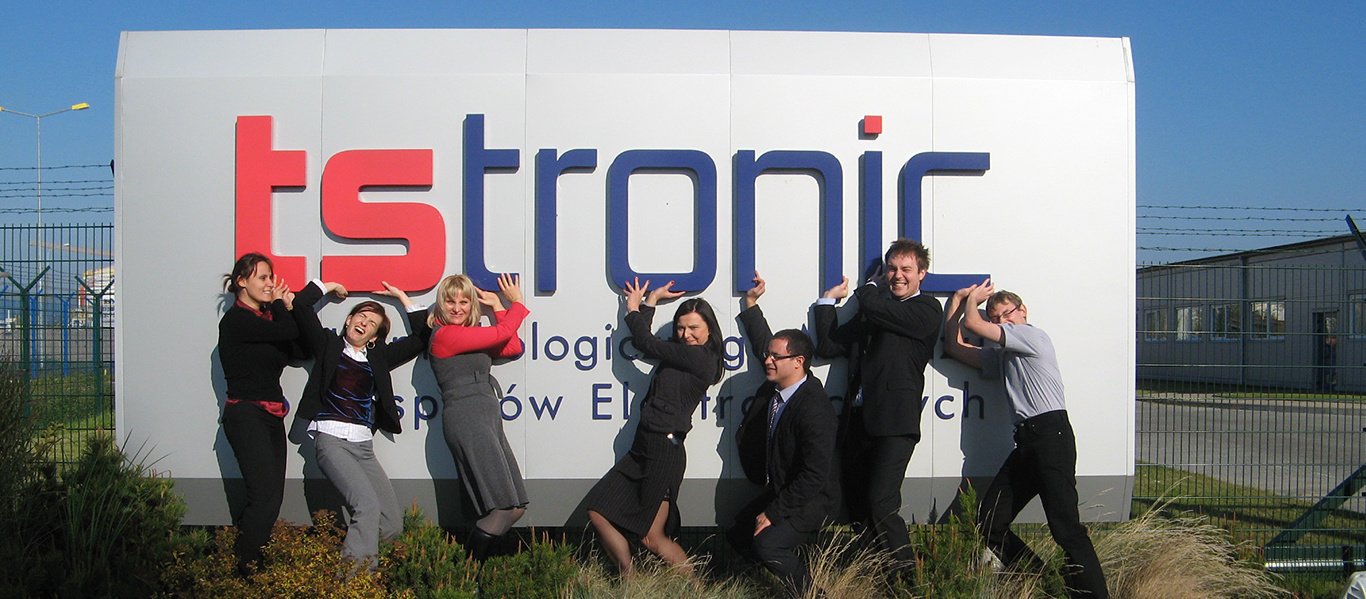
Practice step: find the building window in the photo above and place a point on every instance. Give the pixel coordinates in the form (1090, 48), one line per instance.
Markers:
(1226, 321)
(1356, 311)
(1190, 322)
(1268, 320)
(1155, 325)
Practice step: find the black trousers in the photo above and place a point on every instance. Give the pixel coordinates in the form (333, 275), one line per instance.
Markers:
(775, 547)
(1043, 464)
(258, 441)
(874, 469)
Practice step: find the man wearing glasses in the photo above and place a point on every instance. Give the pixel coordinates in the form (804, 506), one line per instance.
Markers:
(888, 342)
(787, 444)
(1044, 462)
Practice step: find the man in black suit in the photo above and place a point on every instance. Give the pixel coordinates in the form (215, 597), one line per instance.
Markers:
(787, 442)
(888, 342)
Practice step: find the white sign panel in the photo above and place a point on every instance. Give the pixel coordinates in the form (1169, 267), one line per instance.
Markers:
(579, 158)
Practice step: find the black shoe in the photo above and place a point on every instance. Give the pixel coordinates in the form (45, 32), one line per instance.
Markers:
(480, 545)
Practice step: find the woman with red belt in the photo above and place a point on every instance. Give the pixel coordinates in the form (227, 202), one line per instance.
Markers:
(257, 338)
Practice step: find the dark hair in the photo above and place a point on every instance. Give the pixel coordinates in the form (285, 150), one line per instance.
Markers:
(798, 344)
(713, 344)
(904, 246)
(243, 269)
(377, 308)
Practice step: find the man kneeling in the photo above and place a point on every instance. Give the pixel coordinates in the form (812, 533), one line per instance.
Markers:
(787, 442)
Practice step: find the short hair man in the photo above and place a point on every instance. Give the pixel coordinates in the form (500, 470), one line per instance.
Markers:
(1044, 462)
(888, 342)
(790, 430)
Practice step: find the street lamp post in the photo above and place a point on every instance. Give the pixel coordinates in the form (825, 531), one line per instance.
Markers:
(38, 124)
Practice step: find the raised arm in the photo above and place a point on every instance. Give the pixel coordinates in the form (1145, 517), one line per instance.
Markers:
(954, 344)
(833, 339)
(312, 335)
(910, 318)
(450, 340)
(242, 326)
(420, 335)
(972, 317)
(752, 319)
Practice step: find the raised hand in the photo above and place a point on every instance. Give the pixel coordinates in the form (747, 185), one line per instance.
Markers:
(282, 292)
(490, 299)
(336, 289)
(665, 292)
(840, 291)
(634, 292)
(394, 292)
(980, 292)
(752, 296)
(511, 285)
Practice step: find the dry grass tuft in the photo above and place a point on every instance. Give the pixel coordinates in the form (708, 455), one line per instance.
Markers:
(841, 570)
(1157, 557)
(655, 580)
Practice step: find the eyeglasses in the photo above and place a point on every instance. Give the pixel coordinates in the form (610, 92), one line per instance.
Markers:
(1004, 315)
(779, 357)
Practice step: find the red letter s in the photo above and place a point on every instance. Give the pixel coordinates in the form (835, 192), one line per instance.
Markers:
(421, 225)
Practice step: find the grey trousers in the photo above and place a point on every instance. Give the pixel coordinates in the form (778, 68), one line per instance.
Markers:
(374, 511)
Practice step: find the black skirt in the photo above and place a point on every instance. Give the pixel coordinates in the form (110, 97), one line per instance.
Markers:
(630, 493)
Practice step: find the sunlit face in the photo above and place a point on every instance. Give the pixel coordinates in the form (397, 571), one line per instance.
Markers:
(257, 290)
(691, 329)
(780, 366)
(904, 275)
(1007, 312)
(362, 327)
(457, 308)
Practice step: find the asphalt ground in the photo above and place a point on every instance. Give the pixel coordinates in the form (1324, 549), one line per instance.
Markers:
(1293, 448)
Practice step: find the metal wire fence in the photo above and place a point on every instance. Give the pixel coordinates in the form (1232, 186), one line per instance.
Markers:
(57, 324)
(1252, 397)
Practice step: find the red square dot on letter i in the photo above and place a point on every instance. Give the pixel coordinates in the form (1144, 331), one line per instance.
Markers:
(872, 125)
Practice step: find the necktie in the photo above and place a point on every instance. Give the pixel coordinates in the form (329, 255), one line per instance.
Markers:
(773, 405)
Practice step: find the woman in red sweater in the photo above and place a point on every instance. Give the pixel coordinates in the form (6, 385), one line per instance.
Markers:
(462, 355)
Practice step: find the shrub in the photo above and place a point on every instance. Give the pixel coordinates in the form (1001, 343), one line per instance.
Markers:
(298, 562)
(542, 570)
(119, 523)
(426, 561)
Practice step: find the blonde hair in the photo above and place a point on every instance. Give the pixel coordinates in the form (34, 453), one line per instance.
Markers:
(448, 288)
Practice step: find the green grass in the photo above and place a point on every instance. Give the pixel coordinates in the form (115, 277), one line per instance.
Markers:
(1249, 514)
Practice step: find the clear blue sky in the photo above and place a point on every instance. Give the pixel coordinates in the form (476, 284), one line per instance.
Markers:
(1239, 104)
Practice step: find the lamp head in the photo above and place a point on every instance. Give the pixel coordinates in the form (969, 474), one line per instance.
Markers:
(81, 106)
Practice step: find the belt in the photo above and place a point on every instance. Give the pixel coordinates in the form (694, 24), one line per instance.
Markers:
(1044, 419)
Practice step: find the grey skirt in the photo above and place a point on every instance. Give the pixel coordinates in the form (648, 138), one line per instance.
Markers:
(473, 427)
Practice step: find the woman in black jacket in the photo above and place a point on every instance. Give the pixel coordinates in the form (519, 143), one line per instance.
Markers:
(256, 340)
(639, 494)
(349, 395)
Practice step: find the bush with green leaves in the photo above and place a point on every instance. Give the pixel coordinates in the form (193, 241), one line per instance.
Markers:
(426, 561)
(542, 570)
(298, 562)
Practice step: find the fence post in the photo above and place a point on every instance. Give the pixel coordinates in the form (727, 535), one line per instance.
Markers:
(97, 335)
(26, 335)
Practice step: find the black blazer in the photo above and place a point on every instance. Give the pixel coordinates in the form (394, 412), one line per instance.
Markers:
(801, 467)
(326, 347)
(888, 344)
(678, 383)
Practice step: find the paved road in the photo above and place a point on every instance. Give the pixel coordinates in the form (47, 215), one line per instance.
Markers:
(1292, 448)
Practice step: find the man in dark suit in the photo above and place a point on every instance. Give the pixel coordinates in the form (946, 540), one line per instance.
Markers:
(888, 342)
(787, 442)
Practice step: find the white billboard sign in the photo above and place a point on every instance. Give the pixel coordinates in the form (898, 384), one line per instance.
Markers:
(579, 158)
